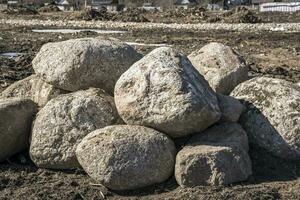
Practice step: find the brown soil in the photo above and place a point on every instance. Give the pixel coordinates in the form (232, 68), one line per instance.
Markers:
(280, 17)
(21, 10)
(274, 54)
(240, 15)
(131, 15)
(196, 15)
(273, 178)
(14, 69)
(49, 8)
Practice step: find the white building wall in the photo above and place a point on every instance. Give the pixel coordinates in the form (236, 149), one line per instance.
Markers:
(280, 7)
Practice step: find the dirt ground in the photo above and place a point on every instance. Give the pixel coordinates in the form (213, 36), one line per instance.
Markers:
(193, 15)
(275, 54)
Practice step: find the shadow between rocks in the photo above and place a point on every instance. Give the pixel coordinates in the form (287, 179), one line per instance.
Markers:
(267, 167)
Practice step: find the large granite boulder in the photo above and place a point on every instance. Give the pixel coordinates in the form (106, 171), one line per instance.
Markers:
(64, 121)
(272, 115)
(32, 88)
(214, 165)
(221, 66)
(86, 62)
(127, 157)
(164, 91)
(216, 156)
(20, 89)
(16, 117)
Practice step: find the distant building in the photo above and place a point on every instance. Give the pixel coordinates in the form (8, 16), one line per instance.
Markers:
(214, 6)
(64, 5)
(147, 5)
(185, 4)
(109, 5)
(159, 4)
(228, 4)
(280, 7)
(164, 4)
(258, 2)
(12, 3)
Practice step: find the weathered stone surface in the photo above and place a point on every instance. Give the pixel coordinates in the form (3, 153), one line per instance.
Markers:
(86, 62)
(272, 115)
(216, 156)
(19, 89)
(231, 108)
(225, 134)
(32, 88)
(16, 117)
(165, 92)
(64, 121)
(211, 165)
(127, 157)
(221, 66)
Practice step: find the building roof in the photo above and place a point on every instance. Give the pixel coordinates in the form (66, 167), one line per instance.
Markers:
(12, 2)
(184, 2)
(63, 2)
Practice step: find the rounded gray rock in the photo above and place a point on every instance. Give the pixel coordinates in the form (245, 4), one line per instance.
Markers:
(127, 157)
(272, 115)
(164, 91)
(221, 66)
(214, 165)
(32, 88)
(20, 89)
(64, 121)
(82, 63)
(16, 116)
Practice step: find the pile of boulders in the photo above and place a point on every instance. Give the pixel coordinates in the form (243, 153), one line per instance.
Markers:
(96, 103)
